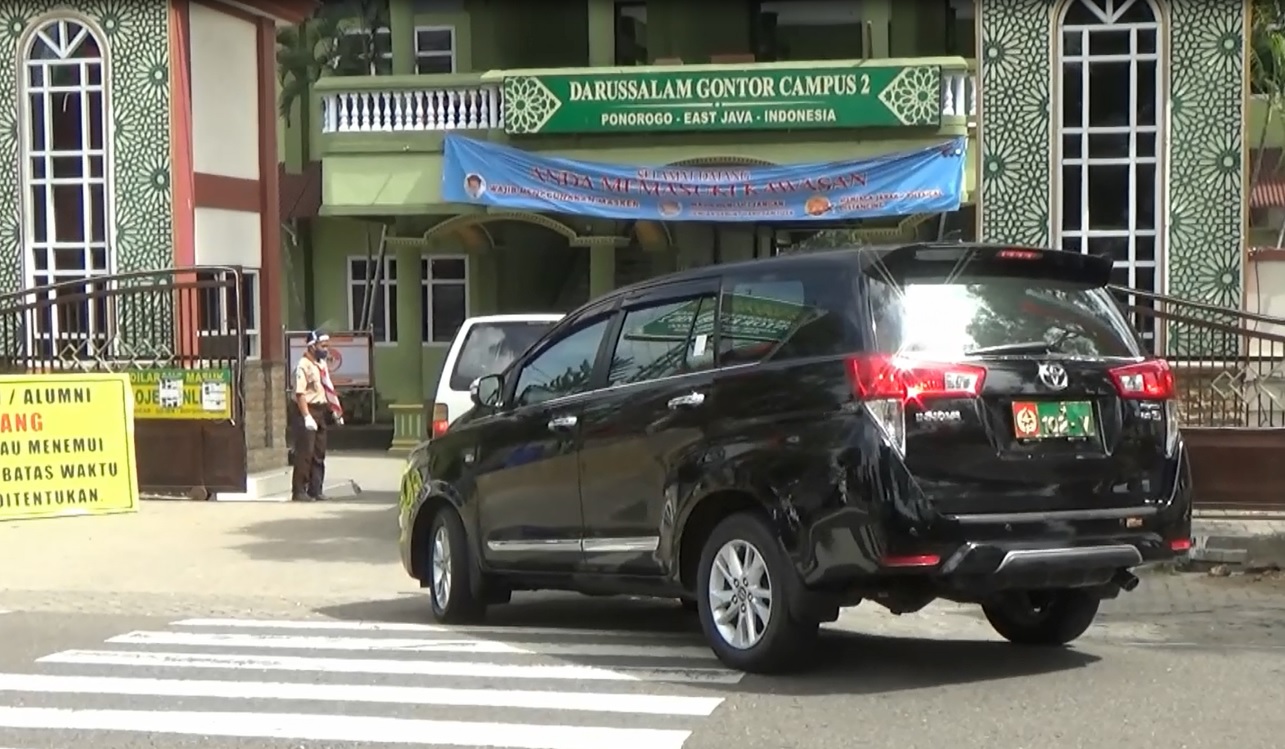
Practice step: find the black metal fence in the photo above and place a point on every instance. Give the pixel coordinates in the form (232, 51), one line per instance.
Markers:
(173, 319)
(185, 328)
(1229, 364)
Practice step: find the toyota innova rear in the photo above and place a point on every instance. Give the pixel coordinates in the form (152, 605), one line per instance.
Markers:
(1032, 430)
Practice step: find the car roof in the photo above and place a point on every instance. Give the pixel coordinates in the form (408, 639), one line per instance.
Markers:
(519, 317)
(842, 256)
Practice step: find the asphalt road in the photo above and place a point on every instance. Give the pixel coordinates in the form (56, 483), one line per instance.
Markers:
(567, 672)
(100, 649)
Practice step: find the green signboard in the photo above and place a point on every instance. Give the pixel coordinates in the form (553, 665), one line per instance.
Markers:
(744, 318)
(204, 394)
(766, 98)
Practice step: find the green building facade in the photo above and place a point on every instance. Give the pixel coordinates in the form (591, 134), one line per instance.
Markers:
(1159, 184)
(992, 71)
(124, 93)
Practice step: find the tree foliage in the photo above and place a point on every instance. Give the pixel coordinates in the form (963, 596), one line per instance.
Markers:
(341, 38)
(1267, 69)
(304, 52)
(1267, 47)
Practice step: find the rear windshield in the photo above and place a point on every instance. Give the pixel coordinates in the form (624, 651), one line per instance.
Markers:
(986, 314)
(491, 347)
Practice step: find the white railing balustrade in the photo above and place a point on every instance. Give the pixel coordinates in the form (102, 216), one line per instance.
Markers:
(959, 94)
(478, 107)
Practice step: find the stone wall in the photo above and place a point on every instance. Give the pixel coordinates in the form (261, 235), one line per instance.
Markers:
(265, 416)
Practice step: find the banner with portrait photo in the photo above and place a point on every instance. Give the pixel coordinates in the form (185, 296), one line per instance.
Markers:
(926, 180)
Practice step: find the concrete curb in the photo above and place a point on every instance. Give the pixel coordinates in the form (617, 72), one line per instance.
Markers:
(1247, 541)
(1259, 551)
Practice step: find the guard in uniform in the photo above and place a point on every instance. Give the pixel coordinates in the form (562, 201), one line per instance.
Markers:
(311, 378)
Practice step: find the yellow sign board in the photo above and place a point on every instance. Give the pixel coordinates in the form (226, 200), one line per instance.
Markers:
(182, 394)
(66, 445)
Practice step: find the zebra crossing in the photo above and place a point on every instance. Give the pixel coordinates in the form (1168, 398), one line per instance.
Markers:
(358, 684)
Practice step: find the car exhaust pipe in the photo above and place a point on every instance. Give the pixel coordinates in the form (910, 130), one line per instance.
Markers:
(1126, 580)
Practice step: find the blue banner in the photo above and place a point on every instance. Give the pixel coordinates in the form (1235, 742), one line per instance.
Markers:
(928, 180)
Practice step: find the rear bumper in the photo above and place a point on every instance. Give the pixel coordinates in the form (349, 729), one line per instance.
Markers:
(975, 570)
(983, 559)
(971, 556)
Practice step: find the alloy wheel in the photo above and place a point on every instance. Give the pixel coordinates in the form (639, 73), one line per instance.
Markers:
(442, 567)
(740, 594)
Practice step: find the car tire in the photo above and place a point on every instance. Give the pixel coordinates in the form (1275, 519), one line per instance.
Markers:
(449, 562)
(752, 645)
(1044, 618)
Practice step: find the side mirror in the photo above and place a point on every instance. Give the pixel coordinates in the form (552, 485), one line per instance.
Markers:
(485, 391)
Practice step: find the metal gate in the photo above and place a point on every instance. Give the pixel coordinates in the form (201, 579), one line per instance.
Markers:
(178, 333)
(1229, 367)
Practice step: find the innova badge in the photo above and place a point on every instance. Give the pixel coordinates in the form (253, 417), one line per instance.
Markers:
(1053, 375)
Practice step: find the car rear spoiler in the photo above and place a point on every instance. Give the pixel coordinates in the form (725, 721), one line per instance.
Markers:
(924, 261)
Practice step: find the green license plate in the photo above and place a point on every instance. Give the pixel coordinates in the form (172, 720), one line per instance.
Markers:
(1037, 420)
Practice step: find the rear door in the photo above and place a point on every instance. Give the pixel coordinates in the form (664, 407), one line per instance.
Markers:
(643, 435)
(1041, 396)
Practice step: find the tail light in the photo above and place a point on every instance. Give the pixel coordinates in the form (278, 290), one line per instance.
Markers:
(1151, 380)
(1148, 380)
(885, 382)
(881, 376)
(441, 419)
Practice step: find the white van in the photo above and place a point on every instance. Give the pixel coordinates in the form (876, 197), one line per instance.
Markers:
(483, 345)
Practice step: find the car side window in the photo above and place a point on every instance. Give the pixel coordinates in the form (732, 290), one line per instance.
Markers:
(794, 316)
(664, 340)
(564, 368)
(885, 314)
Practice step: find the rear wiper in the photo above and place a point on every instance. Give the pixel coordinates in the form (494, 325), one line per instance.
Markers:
(1030, 347)
(1024, 347)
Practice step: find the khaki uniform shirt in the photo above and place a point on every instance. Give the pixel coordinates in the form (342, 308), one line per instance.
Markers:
(307, 382)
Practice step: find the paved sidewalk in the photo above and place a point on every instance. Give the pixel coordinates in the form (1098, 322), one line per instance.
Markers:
(217, 556)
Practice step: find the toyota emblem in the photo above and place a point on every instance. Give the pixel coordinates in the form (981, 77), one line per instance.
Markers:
(1053, 375)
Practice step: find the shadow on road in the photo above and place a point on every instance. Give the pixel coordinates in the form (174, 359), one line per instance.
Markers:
(360, 529)
(571, 611)
(854, 663)
(844, 662)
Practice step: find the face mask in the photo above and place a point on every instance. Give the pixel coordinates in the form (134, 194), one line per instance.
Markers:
(320, 354)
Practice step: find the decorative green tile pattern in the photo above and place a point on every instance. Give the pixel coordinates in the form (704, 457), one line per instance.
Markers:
(1206, 189)
(134, 34)
(914, 96)
(1206, 184)
(1015, 58)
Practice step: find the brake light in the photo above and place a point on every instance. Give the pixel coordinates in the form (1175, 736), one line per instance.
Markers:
(885, 377)
(1148, 380)
(886, 382)
(1018, 255)
(1180, 545)
(441, 419)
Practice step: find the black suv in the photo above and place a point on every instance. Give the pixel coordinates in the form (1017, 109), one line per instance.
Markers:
(773, 440)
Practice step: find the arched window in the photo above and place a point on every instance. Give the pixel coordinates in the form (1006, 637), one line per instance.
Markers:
(1110, 137)
(67, 196)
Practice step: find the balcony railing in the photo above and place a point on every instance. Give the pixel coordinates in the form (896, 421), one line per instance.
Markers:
(393, 104)
(959, 94)
(474, 101)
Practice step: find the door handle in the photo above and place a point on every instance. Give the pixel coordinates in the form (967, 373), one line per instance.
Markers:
(687, 401)
(562, 422)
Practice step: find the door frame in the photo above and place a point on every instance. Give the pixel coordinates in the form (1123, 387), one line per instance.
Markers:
(705, 286)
